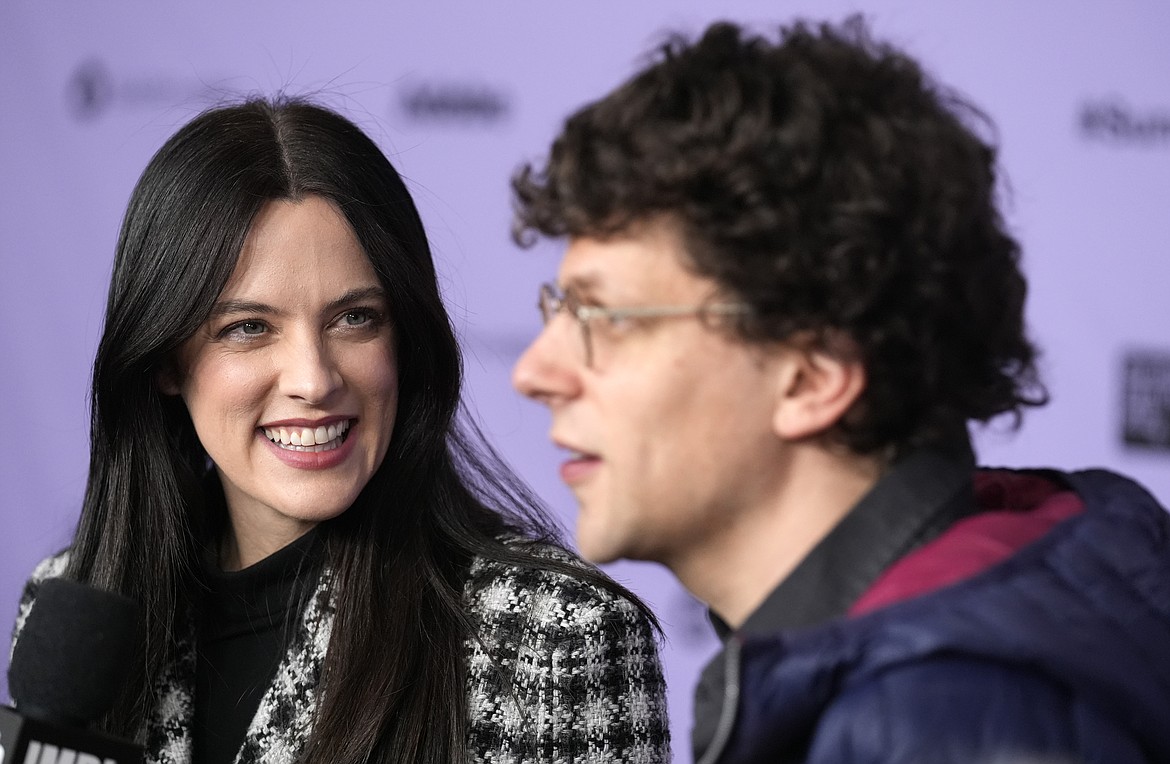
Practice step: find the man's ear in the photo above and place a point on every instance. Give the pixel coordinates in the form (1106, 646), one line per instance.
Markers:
(817, 387)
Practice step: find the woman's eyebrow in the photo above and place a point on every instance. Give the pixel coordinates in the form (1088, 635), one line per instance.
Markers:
(357, 295)
(224, 307)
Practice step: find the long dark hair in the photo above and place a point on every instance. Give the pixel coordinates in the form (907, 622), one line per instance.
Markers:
(393, 683)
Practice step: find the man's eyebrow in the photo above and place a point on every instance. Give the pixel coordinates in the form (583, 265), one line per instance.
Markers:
(581, 283)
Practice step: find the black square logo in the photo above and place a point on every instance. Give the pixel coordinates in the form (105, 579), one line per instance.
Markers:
(1146, 399)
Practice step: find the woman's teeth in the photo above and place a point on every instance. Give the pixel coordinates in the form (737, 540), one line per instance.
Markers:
(324, 438)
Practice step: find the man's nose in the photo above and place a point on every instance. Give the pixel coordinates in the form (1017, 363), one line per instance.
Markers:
(548, 370)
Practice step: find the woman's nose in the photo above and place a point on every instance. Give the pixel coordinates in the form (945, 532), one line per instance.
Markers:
(308, 371)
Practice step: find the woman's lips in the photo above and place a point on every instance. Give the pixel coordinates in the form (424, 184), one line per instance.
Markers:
(311, 448)
(322, 437)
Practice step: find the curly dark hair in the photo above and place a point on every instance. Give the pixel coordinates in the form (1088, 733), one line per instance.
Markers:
(828, 182)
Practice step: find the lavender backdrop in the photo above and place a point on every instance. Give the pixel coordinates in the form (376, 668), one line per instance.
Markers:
(458, 93)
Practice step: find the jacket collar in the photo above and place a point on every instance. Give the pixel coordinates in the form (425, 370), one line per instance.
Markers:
(1106, 572)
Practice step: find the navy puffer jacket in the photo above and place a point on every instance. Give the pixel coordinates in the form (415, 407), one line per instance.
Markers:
(1059, 654)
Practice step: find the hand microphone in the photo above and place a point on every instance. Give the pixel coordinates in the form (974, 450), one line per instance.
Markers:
(75, 646)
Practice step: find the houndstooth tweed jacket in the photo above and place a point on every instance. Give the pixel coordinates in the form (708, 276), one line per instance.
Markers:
(562, 672)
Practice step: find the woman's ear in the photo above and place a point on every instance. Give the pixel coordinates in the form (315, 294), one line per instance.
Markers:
(816, 388)
(168, 378)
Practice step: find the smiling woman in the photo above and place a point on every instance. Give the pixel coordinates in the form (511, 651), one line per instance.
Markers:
(333, 566)
(291, 383)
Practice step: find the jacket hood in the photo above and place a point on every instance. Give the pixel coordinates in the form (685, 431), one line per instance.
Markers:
(1088, 606)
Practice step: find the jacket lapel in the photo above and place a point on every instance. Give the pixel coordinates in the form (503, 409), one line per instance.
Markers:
(283, 720)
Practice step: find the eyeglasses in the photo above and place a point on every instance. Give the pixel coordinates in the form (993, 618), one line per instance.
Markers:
(553, 301)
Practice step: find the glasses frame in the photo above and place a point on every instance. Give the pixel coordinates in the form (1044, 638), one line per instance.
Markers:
(553, 301)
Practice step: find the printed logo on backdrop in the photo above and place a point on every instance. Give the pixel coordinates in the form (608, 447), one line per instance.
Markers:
(1114, 121)
(454, 102)
(1146, 399)
(506, 344)
(93, 91)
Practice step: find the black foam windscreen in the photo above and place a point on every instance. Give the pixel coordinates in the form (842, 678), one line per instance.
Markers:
(77, 646)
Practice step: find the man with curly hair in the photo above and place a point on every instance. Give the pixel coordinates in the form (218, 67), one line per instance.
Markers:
(787, 292)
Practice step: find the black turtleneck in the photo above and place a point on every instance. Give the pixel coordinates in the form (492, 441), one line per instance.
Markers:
(245, 621)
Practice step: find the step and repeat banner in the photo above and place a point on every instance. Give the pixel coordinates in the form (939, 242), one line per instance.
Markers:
(458, 94)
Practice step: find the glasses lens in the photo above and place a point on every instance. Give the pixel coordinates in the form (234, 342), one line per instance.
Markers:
(588, 341)
(549, 302)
